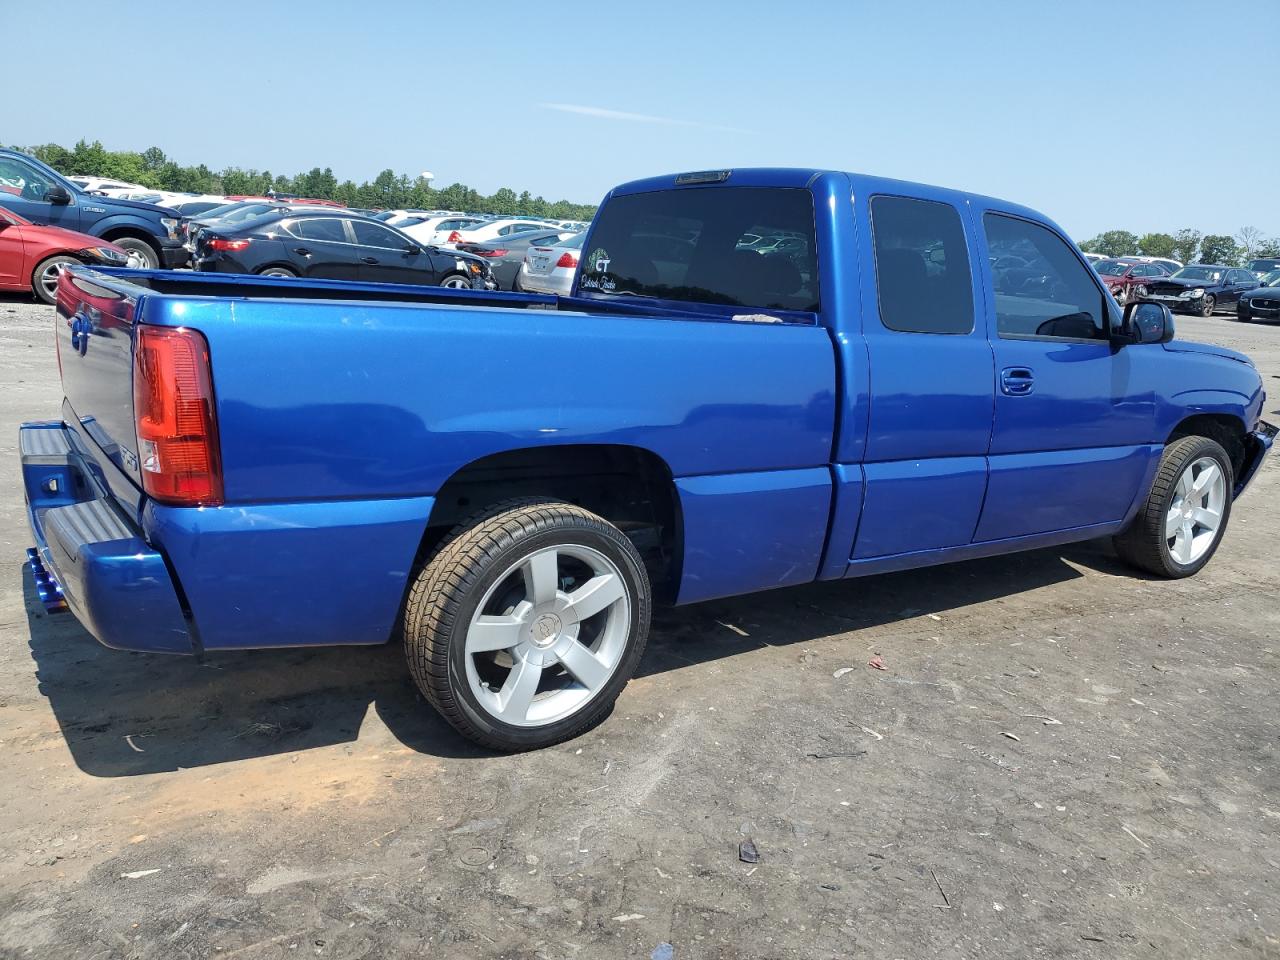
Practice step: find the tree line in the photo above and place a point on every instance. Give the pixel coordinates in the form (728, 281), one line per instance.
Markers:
(1187, 246)
(388, 190)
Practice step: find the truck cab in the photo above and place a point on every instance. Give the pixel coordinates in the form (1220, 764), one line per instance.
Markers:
(39, 193)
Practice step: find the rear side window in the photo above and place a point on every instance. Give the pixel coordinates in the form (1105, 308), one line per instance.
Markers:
(695, 245)
(1051, 294)
(922, 266)
(320, 228)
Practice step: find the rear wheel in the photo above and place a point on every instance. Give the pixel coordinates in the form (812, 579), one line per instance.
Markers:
(1182, 522)
(139, 250)
(44, 278)
(525, 626)
(277, 272)
(1207, 305)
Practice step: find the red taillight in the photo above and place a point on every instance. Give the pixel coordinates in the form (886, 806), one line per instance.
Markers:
(218, 243)
(454, 237)
(567, 259)
(489, 253)
(173, 404)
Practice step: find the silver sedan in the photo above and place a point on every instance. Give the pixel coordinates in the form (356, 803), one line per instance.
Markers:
(551, 269)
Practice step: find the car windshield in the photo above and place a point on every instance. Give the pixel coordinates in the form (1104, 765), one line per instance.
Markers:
(685, 245)
(1272, 279)
(1111, 268)
(1264, 265)
(247, 211)
(1199, 273)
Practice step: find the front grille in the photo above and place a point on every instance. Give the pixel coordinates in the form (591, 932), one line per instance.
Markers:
(1267, 304)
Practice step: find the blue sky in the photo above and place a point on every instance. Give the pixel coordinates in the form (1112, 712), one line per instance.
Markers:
(1063, 106)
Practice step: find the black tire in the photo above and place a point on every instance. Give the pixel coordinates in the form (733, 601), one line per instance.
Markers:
(477, 556)
(456, 281)
(150, 257)
(278, 272)
(1144, 543)
(38, 277)
(1207, 305)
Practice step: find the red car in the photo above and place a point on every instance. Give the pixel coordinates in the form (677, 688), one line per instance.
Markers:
(31, 256)
(1126, 278)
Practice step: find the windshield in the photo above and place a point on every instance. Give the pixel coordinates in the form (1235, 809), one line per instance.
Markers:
(247, 211)
(1111, 268)
(1199, 273)
(1272, 279)
(689, 244)
(1265, 265)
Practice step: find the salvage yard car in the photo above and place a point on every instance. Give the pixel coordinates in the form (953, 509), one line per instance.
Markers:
(1126, 278)
(509, 482)
(320, 242)
(1202, 288)
(31, 256)
(1263, 301)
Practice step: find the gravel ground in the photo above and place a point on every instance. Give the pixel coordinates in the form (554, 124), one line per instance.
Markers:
(1061, 759)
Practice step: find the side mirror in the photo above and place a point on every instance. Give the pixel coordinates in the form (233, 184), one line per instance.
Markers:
(57, 195)
(413, 248)
(1147, 322)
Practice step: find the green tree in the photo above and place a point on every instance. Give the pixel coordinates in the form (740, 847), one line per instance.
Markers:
(1156, 245)
(504, 201)
(1268, 248)
(1113, 243)
(1186, 245)
(1219, 248)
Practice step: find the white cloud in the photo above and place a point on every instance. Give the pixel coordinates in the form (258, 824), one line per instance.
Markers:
(607, 114)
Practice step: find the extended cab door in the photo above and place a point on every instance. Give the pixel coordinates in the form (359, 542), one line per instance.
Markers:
(1073, 416)
(930, 378)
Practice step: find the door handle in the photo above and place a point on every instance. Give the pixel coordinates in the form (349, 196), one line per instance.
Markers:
(1017, 381)
(368, 259)
(303, 251)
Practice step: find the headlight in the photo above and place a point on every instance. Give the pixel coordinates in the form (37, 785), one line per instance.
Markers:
(171, 224)
(114, 256)
(1197, 292)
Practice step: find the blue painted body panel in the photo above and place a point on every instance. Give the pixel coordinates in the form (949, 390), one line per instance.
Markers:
(822, 447)
(752, 531)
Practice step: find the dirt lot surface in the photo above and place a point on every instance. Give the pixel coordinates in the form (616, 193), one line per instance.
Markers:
(1061, 759)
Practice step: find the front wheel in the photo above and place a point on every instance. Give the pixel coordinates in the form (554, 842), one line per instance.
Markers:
(1182, 522)
(44, 278)
(456, 281)
(1207, 305)
(139, 250)
(525, 626)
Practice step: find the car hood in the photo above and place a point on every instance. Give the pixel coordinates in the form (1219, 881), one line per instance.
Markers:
(112, 202)
(1183, 284)
(59, 236)
(1212, 349)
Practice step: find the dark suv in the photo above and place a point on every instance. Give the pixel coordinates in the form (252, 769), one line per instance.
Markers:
(334, 246)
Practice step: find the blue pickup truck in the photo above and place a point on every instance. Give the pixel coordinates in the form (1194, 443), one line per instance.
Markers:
(38, 192)
(508, 482)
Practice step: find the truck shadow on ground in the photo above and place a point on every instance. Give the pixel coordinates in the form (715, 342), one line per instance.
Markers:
(125, 714)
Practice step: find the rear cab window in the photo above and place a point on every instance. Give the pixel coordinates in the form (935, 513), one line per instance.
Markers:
(741, 247)
(922, 266)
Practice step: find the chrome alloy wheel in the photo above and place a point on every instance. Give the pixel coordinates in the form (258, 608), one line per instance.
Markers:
(1191, 525)
(548, 635)
(48, 279)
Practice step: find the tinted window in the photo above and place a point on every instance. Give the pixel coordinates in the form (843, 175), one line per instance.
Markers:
(372, 235)
(17, 179)
(1054, 295)
(690, 245)
(320, 228)
(1242, 276)
(922, 266)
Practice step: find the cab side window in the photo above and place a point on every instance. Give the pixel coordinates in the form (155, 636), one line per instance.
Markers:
(922, 266)
(1044, 291)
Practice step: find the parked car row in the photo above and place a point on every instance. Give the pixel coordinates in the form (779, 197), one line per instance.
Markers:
(273, 235)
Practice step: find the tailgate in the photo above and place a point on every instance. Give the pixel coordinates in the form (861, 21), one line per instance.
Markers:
(93, 331)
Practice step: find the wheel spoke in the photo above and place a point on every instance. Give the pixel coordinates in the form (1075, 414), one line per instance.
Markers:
(1209, 519)
(1207, 478)
(1182, 546)
(585, 666)
(489, 633)
(517, 693)
(541, 574)
(598, 593)
(1184, 485)
(1172, 521)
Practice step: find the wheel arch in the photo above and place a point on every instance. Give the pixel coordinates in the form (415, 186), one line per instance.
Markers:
(133, 232)
(631, 487)
(1227, 429)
